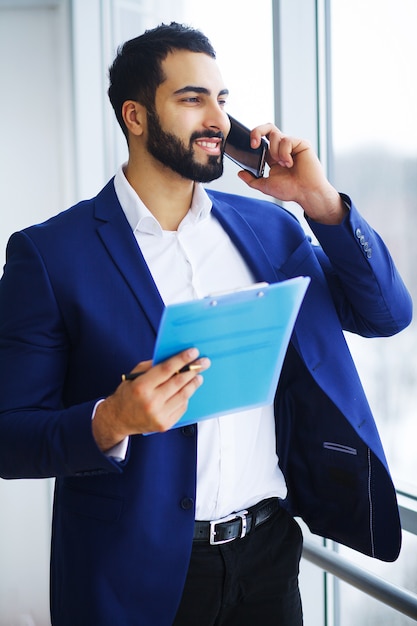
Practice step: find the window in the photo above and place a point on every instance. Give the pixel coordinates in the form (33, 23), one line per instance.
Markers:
(374, 145)
(243, 42)
(373, 157)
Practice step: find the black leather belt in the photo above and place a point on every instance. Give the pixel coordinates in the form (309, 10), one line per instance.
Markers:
(236, 525)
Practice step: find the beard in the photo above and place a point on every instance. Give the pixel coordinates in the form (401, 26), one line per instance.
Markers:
(172, 152)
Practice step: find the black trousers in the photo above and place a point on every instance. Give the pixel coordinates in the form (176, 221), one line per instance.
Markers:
(246, 582)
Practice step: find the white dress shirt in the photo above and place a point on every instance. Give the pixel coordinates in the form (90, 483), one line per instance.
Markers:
(237, 465)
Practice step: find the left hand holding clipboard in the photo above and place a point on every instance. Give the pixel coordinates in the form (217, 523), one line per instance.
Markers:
(149, 399)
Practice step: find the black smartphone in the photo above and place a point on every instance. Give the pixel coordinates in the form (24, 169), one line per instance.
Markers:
(239, 150)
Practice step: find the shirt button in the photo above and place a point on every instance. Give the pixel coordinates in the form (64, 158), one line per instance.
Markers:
(369, 253)
(187, 504)
(358, 233)
(188, 431)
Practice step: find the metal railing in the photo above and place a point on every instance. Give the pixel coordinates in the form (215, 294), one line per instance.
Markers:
(334, 563)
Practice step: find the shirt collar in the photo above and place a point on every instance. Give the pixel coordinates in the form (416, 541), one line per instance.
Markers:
(139, 216)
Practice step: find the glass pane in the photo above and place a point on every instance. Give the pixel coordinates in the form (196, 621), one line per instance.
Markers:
(243, 43)
(374, 127)
(374, 143)
(242, 39)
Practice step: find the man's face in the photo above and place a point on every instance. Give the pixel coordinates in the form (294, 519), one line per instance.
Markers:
(188, 125)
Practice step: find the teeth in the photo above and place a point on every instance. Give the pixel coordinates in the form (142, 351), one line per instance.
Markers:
(208, 144)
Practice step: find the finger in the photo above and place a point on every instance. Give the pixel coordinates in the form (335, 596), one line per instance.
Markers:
(184, 380)
(138, 370)
(172, 403)
(196, 366)
(264, 130)
(177, 405)
(166, 369)
(280, 146)
(175, 364)
(280, 150)
(249, 178)
(162, 372)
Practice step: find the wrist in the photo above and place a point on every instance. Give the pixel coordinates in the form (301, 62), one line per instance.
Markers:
(325, 207)
(103, 426)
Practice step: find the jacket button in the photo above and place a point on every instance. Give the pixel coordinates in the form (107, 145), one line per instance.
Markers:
(369, 253)
(187, 504)
(188, 431)
(358, 233)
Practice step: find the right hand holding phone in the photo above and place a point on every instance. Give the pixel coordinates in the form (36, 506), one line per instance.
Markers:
(297, 175)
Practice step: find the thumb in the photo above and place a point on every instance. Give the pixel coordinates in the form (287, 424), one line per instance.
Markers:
(249, 179)
(260, 184)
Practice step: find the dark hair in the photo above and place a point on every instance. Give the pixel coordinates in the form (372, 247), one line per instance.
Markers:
(136, 71)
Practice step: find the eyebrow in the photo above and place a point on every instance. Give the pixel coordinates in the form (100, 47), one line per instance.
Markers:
(193, 88)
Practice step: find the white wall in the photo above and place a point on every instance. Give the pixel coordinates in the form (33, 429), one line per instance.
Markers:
(35, 113)
(35, 182)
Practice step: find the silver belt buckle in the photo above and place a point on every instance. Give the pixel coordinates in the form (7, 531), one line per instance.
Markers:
(222, 520)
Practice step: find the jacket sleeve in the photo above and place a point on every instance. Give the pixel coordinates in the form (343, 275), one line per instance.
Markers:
(39, 437)
(370, 296)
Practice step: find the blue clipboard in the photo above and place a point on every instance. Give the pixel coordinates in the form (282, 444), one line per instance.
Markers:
(244, 333)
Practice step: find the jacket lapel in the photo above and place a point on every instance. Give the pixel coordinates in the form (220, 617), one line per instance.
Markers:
(120, 242)
(246, 241)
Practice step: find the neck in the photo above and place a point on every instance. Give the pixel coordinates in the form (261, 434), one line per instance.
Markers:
(167, 195)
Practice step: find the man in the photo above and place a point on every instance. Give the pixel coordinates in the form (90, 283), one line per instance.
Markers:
(135, 541)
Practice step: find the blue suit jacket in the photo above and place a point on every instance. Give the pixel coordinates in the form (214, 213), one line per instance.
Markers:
(78, 307)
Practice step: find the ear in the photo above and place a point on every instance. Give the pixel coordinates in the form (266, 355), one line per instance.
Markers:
(134, 116)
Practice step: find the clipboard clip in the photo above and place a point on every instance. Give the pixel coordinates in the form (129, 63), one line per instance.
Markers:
(261, 286)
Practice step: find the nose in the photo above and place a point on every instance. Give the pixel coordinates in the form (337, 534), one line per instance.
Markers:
(218, 119)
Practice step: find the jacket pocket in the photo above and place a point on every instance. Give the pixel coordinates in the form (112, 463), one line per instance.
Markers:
(89, 504)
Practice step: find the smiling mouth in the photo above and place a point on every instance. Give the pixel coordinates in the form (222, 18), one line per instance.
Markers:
(211, 146)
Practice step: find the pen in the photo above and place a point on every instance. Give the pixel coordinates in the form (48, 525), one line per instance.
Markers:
(187, 368)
